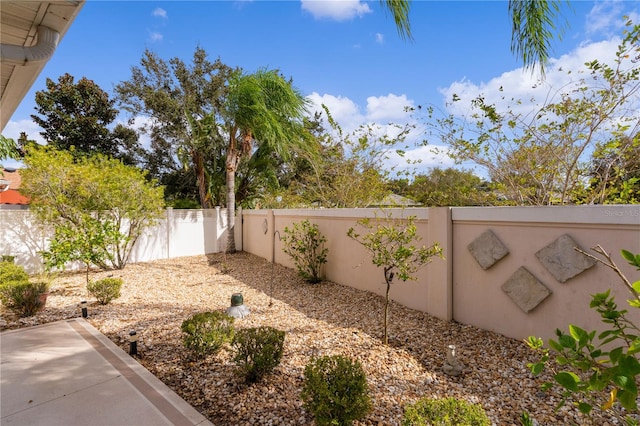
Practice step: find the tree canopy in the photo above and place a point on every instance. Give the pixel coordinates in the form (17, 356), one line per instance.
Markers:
(78, 115)
(97, 206)
(543, 157)
(182, 105)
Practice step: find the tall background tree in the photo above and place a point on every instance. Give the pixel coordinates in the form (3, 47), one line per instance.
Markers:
(447, 187)
(182, 106)
(78, 115)
(543, 157)
(262, 109)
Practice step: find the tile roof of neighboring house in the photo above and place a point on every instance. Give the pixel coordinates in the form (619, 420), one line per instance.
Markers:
(11, 195)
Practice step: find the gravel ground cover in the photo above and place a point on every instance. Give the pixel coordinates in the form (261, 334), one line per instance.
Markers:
(319, 319)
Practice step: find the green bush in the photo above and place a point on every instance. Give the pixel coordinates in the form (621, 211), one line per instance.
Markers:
(24, 298)
(206, 332)
(258, 351)
(335, 390)
(444, 412)
(598, 371)
(9, 272)
(305, 245)
(7, 258)
(105, 290)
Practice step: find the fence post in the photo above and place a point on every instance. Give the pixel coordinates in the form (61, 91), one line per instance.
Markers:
(440, 272)
(168, 224)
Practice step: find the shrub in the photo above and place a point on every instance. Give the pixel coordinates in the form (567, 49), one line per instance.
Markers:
(24, 298)
(206, 332)
(305, 245)
(444, 412)
(7, 258)
(335, 390)
(258, 351)
(598, 370)
(105, 290)
(9, 272)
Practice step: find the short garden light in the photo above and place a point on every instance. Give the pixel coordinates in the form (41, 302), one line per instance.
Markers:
(83, 308)
(237, 308)
(133, 343)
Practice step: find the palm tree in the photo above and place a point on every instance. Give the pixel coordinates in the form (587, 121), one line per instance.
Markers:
(532, 30)
(261, 108)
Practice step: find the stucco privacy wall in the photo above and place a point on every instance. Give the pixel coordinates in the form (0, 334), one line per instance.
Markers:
(348, 262)
(458, 287)
(478, 297)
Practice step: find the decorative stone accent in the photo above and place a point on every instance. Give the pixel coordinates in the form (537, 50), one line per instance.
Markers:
(525, 290)
(562, 260)
(452, 365)
(487, 249)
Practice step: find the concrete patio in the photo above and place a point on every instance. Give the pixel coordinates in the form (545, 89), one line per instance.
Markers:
(68, 373)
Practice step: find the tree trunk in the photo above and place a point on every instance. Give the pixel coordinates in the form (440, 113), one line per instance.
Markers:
(198, 163)
(231, 201)
(388, 277)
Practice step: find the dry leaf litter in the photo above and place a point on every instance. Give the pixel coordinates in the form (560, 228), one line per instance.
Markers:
(319, 319)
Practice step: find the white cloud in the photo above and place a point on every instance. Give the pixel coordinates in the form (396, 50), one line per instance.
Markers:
(420, 159)
(159, 13)
(379, 38)
(155, 36)
(520, 84)
(604, 16)
(388, 108)
(339, 10)
(13, 129)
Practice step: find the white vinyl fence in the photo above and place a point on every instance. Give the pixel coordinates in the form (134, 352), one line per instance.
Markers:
(180, 233)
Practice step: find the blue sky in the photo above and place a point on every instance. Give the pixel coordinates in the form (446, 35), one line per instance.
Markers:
(345, 53)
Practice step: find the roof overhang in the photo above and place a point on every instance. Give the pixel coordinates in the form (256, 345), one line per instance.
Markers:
(19, 28)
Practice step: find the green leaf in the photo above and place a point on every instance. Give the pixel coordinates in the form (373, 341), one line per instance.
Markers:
(628, 400)
(578, 334)
(567, 380)
(584, 407)
(567, 341)
(628, 256)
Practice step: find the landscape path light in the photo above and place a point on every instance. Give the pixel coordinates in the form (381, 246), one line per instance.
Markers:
(83, 309)
(237, 308)
(133, 343)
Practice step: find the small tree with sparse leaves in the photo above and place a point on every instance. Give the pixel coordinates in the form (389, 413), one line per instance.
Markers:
(391, 243)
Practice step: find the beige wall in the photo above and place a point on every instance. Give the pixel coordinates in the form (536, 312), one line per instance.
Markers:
(458, 288)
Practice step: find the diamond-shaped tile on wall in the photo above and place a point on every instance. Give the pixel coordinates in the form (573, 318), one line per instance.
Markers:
(525, 290)
(562, 260)
(487, 249)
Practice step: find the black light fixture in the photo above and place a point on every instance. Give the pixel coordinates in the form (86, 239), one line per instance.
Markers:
(133, 343)
(83, 308)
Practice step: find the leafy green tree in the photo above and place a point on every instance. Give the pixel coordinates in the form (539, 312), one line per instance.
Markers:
(264, 109)
(451, 187)
(8, 148)
(348, 171)
(541, 158)
(97, 206)
(183, 104)
(615, 172)
(78, 115)
(392, 245)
